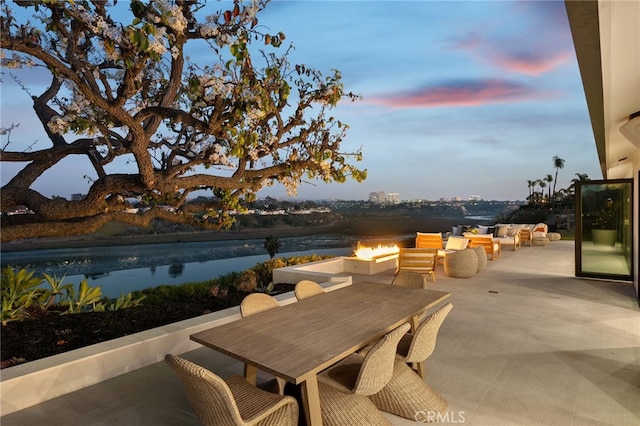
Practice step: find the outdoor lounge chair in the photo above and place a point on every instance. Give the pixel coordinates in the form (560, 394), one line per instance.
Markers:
(493, 247)
(422, 260)
(429, 240)
(231, 401)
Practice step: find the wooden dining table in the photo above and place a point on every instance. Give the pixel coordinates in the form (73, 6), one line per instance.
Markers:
(299, 340)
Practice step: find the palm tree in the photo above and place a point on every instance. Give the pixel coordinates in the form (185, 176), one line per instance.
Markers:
(272, 245)
(549, 179)
(530, 184)
(542, 184)
(558, 163)
(581, 177)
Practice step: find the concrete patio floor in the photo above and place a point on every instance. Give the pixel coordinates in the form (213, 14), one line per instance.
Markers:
(526, 343)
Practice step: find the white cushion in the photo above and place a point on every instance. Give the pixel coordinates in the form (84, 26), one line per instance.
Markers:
(456, 243)
(483, 229)
(432, 234)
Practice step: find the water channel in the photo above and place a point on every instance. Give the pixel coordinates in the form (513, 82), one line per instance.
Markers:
(122, 269)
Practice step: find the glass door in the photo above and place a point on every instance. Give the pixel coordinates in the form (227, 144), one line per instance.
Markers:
(604, 234)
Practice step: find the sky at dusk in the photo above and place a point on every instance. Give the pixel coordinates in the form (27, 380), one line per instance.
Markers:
(458, 98)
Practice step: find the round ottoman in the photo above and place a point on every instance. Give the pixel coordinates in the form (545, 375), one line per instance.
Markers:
(482, 257)
(540, 241)
(554, 236)
(461, 263)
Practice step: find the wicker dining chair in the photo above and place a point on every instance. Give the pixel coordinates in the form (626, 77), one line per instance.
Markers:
(344, 387)
(307, 288)
(257, 302)
(418, 346)
(406, 393)
(231, 401)
(411, 279)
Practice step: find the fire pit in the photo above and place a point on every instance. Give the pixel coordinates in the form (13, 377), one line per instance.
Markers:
(367, 261)
(372, 260)
(372, 253)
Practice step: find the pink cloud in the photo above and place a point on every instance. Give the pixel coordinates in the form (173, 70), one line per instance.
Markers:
(530, 63)
(461, 93)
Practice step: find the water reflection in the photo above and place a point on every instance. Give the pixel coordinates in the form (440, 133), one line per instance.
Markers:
(176, 269)
(122, 269)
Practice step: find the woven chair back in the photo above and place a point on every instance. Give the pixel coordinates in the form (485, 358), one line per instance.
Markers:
(411, 279)
(257, 302)
(377, 366)
(424, 338)
(307, 288)
(209, 396)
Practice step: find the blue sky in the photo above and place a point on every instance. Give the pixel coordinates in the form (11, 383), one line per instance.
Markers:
(458, 98)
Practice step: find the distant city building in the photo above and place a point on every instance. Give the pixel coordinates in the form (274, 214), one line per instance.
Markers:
(393, 198)
(475, 198)
(377, 197)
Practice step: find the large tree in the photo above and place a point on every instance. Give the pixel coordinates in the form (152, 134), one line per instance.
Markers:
(123, 87)
(558, 163)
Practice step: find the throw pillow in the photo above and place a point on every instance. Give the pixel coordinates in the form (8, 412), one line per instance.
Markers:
(511, 232)
(483, 229)
(501, 231)
(458, 243)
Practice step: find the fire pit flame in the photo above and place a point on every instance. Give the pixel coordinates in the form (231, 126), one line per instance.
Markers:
(371, 253)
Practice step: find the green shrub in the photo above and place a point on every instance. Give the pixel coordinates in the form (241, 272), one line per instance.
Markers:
(173, 293)
(59, 293)
(20, 291)
(267, 289)
(297, 260)
(86, 299)
(124, 302)
(264, 270)
(247, 281)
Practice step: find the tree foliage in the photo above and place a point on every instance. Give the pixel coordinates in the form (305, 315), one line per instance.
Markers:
(124, 89)
(272, 245)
